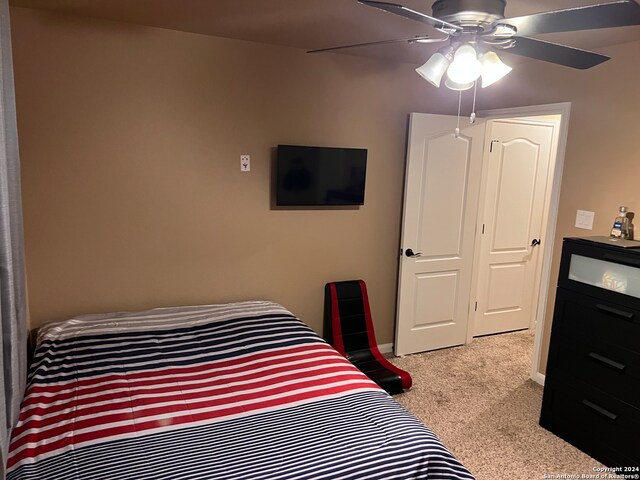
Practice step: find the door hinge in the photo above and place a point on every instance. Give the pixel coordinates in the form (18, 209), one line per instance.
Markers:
(475, 309)
(491, 146)
(483, 229)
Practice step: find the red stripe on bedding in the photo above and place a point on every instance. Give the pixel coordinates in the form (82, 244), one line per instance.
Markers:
(216, 388)
(141, 410)
(66, 413)
(157, 385)
(134, 426)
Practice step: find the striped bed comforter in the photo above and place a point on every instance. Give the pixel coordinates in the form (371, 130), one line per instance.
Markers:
(235, 391)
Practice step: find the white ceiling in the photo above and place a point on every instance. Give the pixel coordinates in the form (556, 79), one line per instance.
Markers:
(313, 24)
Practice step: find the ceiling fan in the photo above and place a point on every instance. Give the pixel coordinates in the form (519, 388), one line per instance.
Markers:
(475, 30)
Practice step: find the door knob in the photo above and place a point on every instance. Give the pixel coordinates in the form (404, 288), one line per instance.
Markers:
(535, 242)
(409, 253)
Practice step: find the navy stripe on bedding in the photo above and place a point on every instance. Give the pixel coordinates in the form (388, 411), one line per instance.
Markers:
(354, 437)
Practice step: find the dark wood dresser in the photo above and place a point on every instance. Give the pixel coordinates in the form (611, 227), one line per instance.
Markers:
(592, 386)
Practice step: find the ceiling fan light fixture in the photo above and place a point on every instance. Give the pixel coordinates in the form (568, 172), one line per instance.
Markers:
(493, 69)
(465, 67)
(458, 87)
(434, 68)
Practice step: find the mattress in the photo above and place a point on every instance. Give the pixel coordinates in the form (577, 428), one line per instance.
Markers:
(234, 391)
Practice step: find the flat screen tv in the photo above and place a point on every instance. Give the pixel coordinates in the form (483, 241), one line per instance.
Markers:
(308, 176)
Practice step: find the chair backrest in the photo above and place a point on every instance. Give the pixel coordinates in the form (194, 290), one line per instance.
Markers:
(348, 327)
(347, 319)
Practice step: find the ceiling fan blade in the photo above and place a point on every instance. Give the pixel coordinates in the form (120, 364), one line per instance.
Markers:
(555, 53)
(604, 15)
(417, 39)
(405, 12)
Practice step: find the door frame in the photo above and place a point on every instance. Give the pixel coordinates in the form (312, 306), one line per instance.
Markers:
(549, 228)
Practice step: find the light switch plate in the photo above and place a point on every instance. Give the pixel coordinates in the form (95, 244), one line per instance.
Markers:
(584, 219)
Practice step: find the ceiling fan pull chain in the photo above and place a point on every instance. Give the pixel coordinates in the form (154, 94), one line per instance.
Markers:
(472, 117)
(457, 130)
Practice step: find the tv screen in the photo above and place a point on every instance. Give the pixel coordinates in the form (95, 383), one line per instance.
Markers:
(308, 176)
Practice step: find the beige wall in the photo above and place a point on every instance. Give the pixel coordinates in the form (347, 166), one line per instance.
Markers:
(130, 140)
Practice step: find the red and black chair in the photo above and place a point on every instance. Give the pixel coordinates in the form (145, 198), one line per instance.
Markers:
(349, 329)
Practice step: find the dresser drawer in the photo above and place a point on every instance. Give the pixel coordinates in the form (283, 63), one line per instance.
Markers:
(609, 367)
(597, 319)
(601, 270)
(592, 420)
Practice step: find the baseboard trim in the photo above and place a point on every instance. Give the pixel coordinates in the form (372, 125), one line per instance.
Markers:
(386, 348)
(538, 378)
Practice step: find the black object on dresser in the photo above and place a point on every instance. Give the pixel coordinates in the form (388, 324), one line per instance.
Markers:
(592, 385)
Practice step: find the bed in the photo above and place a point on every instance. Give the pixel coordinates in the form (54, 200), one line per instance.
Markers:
(234, 391)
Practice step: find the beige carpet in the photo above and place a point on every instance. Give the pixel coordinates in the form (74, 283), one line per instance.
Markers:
(480, 401)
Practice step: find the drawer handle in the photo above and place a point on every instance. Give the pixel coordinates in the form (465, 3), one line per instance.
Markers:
(615, 311)
(607, 361)
(602, 411)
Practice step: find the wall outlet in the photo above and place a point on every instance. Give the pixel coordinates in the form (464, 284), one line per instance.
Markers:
(584, 219)
(245, 163)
